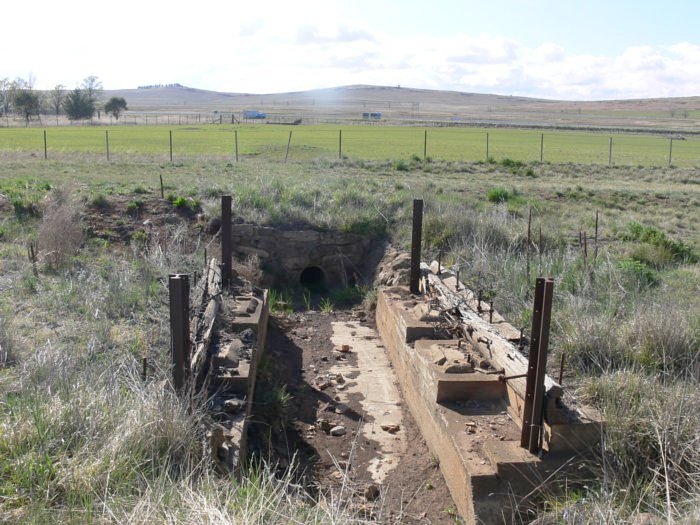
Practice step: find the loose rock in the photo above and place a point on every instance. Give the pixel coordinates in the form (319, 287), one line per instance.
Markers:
(338, 431)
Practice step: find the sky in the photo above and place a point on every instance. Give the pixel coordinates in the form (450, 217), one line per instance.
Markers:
(556, 49)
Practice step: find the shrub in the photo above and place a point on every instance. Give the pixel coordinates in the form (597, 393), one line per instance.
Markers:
(141, 189)
(680, 251)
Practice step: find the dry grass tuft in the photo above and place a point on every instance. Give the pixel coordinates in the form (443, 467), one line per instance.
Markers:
(60, 234)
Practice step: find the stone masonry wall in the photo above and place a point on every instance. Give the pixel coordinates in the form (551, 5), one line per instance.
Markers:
(285, 254)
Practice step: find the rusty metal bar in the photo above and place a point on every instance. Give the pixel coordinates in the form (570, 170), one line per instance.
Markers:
(226, 240)
(503, 378)
(416, 239)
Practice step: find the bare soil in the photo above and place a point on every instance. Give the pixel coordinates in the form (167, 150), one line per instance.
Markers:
(413, 492)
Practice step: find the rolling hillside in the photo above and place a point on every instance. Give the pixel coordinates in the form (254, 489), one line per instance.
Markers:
(408, 104)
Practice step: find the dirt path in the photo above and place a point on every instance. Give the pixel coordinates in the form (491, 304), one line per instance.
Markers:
(348, 424)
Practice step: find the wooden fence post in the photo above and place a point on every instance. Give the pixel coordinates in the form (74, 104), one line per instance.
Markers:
(226, 240)
(178, 285)
(416, 238)
(289, 141)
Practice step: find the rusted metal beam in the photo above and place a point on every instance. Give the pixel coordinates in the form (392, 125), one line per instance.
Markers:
(416, 239)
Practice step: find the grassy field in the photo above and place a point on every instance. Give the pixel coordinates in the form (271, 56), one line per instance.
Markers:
(358, 142)
(84, 440)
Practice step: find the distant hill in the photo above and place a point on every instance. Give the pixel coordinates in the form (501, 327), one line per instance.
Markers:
(409, 104)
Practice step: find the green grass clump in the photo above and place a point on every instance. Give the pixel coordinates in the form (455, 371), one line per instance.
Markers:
(187, 204)
(280, 301)
(135, 207)
(498, 195)
(401, 165)
(25, 209)
(100, 202)
(639, 270)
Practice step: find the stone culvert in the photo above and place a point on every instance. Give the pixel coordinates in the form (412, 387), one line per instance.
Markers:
(307, 257)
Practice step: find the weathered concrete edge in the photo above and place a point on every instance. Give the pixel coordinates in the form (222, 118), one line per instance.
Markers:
(458, 480)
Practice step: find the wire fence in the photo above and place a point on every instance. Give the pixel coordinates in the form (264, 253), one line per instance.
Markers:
(399, 144)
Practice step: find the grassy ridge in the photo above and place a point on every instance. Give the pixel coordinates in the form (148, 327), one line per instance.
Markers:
(358, 142)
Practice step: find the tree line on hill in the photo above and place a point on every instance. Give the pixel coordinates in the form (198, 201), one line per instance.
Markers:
(18, 97)
(154, 86)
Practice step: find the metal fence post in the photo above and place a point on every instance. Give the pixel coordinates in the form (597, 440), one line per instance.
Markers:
(531, 434)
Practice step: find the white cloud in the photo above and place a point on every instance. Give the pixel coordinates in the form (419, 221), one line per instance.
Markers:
(270, 47)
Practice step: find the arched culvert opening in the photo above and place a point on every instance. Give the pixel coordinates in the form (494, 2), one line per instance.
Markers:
(313, 278)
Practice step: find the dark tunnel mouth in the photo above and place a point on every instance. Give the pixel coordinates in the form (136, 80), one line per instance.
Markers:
(313, 278)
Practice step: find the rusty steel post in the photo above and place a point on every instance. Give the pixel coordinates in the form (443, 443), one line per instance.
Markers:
(539, 394)
(537, 366)
(416, 239)
(532, 363)
(226, 240)
(491, 311)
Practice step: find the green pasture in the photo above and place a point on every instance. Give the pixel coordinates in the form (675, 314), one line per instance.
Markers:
(358, 142)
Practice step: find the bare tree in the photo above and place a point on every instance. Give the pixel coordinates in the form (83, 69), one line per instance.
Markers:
(56, 96)
(92, 87)
(4, 95)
